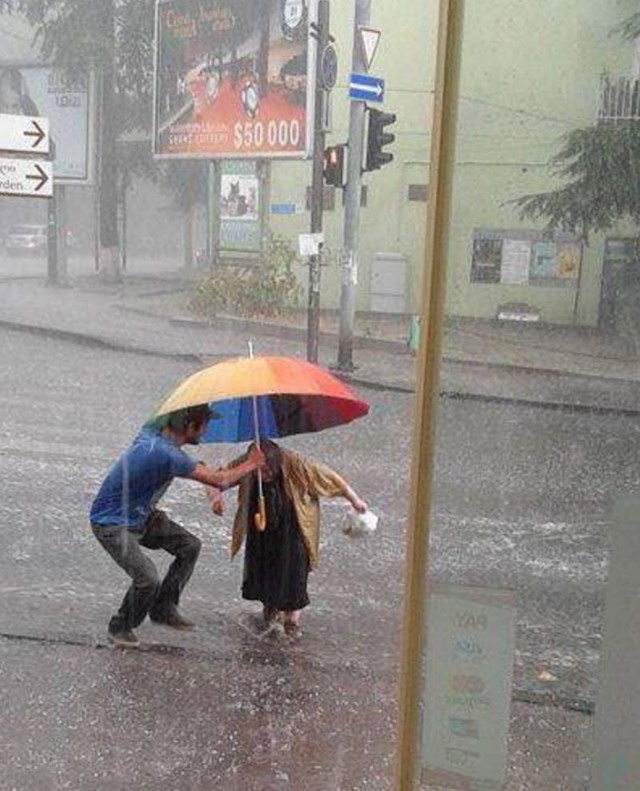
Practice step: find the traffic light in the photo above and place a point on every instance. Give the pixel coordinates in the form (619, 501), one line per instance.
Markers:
(334, 166)
(377, 139)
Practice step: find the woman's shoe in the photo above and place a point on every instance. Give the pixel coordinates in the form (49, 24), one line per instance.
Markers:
(270, 614)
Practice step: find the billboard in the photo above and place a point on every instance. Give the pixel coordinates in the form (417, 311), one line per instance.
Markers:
(233, 79)
(65, 101)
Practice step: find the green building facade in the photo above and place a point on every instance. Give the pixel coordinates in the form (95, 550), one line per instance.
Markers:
(530, 74)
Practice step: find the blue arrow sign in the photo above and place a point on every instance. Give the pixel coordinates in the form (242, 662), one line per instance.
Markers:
(364, 88)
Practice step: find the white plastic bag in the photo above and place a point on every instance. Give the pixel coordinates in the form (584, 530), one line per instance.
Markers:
(357, 525)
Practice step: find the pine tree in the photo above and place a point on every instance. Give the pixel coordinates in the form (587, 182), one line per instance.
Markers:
(601, 167)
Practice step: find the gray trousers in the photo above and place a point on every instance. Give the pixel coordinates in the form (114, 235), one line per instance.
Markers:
(147, 593)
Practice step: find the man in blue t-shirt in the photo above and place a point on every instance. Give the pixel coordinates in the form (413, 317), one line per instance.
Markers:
(124, 517)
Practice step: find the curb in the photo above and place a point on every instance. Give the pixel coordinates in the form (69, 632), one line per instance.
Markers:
(456, 395)
(95, 341)
(518, 695)
(287, 332)
(98, 342)
(283, 331)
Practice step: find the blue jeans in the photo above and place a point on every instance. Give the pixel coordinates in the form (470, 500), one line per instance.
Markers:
(147, 595)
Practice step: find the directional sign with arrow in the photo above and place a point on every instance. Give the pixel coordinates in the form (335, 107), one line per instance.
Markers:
(365, 88)
(24, 134)
(28, 178)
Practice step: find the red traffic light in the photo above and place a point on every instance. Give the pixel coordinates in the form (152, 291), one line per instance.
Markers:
(334, 166)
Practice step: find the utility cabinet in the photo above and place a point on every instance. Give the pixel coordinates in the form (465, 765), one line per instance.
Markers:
(389, 283)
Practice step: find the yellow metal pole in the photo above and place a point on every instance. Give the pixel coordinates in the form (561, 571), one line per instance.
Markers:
(427, 395)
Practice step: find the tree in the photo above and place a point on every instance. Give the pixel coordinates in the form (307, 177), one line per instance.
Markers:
(601, 165)
(113, 38)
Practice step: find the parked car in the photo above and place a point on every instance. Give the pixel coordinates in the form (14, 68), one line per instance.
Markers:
(30, 240)
(26, 239)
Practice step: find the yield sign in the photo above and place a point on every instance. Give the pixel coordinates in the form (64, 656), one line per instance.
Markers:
(369, 38)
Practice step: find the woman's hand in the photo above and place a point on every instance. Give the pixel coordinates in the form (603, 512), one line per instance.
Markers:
(216, 500)
(359, 505)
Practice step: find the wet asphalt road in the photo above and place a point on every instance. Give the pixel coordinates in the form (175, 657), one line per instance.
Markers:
(523, 501)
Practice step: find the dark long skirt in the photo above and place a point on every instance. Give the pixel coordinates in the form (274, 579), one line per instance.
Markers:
(276, 565)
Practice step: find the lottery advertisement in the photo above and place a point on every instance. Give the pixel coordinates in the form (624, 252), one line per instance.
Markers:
(233, 79)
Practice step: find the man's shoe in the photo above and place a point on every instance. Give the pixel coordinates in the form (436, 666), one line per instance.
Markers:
(124, 639)
(173, 619)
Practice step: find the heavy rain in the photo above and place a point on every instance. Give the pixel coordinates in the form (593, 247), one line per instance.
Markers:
(195, 183)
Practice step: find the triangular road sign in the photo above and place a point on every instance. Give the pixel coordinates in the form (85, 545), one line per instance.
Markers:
(369, 38)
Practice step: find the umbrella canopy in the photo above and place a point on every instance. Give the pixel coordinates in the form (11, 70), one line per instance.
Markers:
(292, 396)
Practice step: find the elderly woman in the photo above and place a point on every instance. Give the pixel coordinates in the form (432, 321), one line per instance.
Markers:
(279, 556)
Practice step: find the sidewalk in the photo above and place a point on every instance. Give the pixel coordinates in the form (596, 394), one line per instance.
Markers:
(530, 363)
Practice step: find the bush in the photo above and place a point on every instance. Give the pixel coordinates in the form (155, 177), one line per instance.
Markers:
(267, 289)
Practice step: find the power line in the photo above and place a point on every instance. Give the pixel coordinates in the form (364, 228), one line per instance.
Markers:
(487, 103)
(520, 111)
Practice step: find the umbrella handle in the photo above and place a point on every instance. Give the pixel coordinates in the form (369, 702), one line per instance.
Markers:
(260, 517)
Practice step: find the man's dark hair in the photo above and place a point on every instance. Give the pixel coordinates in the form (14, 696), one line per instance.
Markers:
(181, 418)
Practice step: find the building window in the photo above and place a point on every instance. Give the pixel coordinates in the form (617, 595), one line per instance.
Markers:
(418, 192)
(621, 250)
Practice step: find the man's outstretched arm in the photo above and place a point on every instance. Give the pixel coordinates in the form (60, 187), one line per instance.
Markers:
(224, 479)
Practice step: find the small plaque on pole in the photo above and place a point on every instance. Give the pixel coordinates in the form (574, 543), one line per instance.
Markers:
(309, 243)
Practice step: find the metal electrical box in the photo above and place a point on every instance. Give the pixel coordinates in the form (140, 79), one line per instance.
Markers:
(389, 283)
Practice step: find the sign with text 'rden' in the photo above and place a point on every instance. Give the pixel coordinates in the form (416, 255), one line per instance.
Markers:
(27, 178)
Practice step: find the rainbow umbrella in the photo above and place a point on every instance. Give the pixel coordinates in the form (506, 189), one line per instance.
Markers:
(269, 397)
(266, 397)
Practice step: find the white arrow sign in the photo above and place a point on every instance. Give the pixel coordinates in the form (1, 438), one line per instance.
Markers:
(24, 133)
(26, 177)
(369, 39)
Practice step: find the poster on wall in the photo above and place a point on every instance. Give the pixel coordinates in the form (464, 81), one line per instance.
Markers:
(240, 224)
(516, 255)
(65, 101)
(233, 79)
(568, 261)
(486, 260)
(543, 261)
(522, 257)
